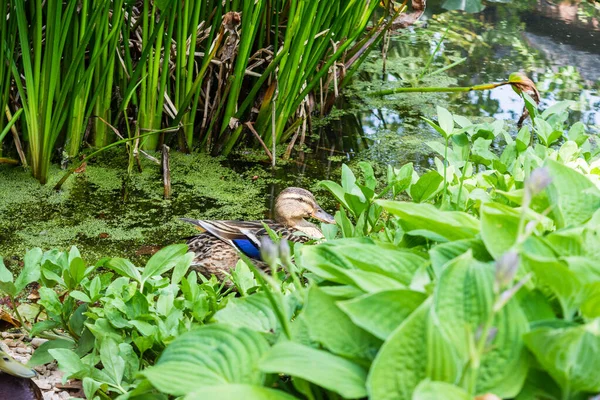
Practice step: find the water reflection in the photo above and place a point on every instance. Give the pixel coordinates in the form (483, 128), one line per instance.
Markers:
(557, 44)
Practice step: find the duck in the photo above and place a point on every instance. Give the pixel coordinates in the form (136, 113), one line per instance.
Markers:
(217, 248)
(15, 380)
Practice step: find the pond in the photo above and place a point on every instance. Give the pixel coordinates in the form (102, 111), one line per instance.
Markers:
(106, 212)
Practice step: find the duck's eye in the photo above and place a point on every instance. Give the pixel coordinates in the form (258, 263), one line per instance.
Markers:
(6, 359)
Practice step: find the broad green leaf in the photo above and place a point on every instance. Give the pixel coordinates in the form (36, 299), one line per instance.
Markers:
(317, 366)
(31, 269)
(441, 253)
(70, 363)
(570, 355)
(448, 225)
(210, 355)
(426, 186)
(6, 280)
(402, 361)
(163, 260)
(480, 152)
(124, 268)
(114, 365)
(575, 197)
(348, 261)
(41, 355)
(368, 174)
(591, 305)
(432, 390)
(463, 301)
(445, 120)
(382, 312)
(557, 276)
(523, 139)
(436, 127)
(499, 227)
(49, 300)
(328, 325)
(238, 391)
(337, 191)
(78, 295)
(254, 312)
(577, 133)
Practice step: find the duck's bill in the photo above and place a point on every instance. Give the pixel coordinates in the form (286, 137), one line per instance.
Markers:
(13, 367)
(323, 216)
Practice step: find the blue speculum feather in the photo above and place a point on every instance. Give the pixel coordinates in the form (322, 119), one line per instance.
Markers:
(248, 248)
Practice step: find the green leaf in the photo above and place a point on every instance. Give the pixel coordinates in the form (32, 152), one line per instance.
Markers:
(570, 355)
(563, 282)
(328, 325)
(254, 312)
(463, 301)
(70, 363)
(499, 228)
(445, 120)
(382, 312)
(49, 300)
(523, 139)
(350, 261)
(238, 391)
(114, 365)
(577, 133)
(41, 355)
(124, 268)
(6, 280)
(470, 6)
(210, 355)
(436, 127)
(447, 225)
(163, 260)
(319, 367)
(31, 269)
(575, 197)
(78, 295)
(426, 186)
(77, 271)
(442, 253)
(402, 361)
(431, 390)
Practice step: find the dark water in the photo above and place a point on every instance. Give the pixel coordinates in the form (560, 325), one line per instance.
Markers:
(107, 213)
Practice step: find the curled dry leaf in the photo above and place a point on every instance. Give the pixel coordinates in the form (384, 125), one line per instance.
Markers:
(405, 20)
(522, 84)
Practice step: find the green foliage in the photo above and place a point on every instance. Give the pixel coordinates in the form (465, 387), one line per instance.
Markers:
(488, 286)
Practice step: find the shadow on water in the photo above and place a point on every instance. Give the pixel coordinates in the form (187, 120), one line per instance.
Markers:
(107, 213)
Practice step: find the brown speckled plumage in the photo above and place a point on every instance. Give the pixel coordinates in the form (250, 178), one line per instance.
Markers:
(216, 253)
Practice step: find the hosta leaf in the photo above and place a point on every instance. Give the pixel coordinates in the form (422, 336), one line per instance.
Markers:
(328, 325)
(570, 355)
(448, 225)
(463, 302)
(210, 355)
(432, 390)
(562, 281)
(317, 366)
(402, 361)
(575, 197)
(382, 312)
(254, 312)
(238, 391)
(350, 261)
(499, 227)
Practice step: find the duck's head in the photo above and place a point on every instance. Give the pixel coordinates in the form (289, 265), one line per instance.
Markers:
(13, 367)
(294, 204)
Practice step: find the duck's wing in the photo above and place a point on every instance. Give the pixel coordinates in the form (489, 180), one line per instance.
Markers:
(244, 235)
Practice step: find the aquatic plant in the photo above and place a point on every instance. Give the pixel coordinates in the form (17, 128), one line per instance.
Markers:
(481, 282)
(110, 67)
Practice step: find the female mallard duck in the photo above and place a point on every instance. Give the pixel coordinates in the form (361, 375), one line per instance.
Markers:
(15, 380)
(217, 249)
